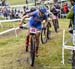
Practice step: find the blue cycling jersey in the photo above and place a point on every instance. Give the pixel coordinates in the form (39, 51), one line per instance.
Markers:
(35, 19)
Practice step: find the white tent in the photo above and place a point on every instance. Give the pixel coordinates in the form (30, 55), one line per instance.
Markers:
(48, 1)
(51, 1)
(61, 0)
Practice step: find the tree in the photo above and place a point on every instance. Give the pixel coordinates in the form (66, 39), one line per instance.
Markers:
(26, 1)
(55, 1)
(35, 2)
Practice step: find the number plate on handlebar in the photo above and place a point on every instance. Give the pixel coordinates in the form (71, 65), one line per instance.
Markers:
(33, 30)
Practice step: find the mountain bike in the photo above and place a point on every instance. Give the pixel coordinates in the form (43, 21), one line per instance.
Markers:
(32, 44)
(33, 32)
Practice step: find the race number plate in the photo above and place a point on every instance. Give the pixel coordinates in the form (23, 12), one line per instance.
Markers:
(53, 17)
(33, 30)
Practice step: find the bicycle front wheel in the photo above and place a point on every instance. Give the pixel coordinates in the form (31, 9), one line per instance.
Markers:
(32, 51)
(44, 35)
(48, 33)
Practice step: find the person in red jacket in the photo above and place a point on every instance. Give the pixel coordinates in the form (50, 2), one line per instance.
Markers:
(65, 8)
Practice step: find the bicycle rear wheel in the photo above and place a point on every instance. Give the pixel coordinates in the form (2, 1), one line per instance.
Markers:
(32, 51)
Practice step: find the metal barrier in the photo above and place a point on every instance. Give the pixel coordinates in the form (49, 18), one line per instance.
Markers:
(66, 46)
(12, 29)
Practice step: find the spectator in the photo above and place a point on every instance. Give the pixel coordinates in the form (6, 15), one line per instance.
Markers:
(5, 12)
(24, 8)
(4, 3)
(16, 14)
(0, 11)
(12, 14)
(0, 3)
(65, 8)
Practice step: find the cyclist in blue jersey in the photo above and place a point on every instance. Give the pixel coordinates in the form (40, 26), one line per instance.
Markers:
(35, 20)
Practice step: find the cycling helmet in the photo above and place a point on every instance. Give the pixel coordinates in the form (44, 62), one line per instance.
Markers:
(43, 9)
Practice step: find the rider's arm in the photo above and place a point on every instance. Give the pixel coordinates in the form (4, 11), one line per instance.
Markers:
(27, 16)
(46, 20)
(22, 19)
(51, 14)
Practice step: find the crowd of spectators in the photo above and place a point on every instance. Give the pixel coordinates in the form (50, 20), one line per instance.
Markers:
(10, 13)
(14, 13)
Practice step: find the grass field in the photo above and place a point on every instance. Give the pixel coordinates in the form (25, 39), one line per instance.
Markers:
(14, 2)
(8, 25)
(17, 2)
(13, 55)
(2, 18)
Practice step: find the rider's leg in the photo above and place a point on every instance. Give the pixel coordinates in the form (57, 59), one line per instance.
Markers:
(49, 23)
(37, 42)
(27, 41)
(54, 24)
(57, 23)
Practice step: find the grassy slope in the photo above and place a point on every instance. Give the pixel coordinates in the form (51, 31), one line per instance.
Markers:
(13, 56)
(17, 2)
(2, 18)
(8, 25)
(14, 2)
